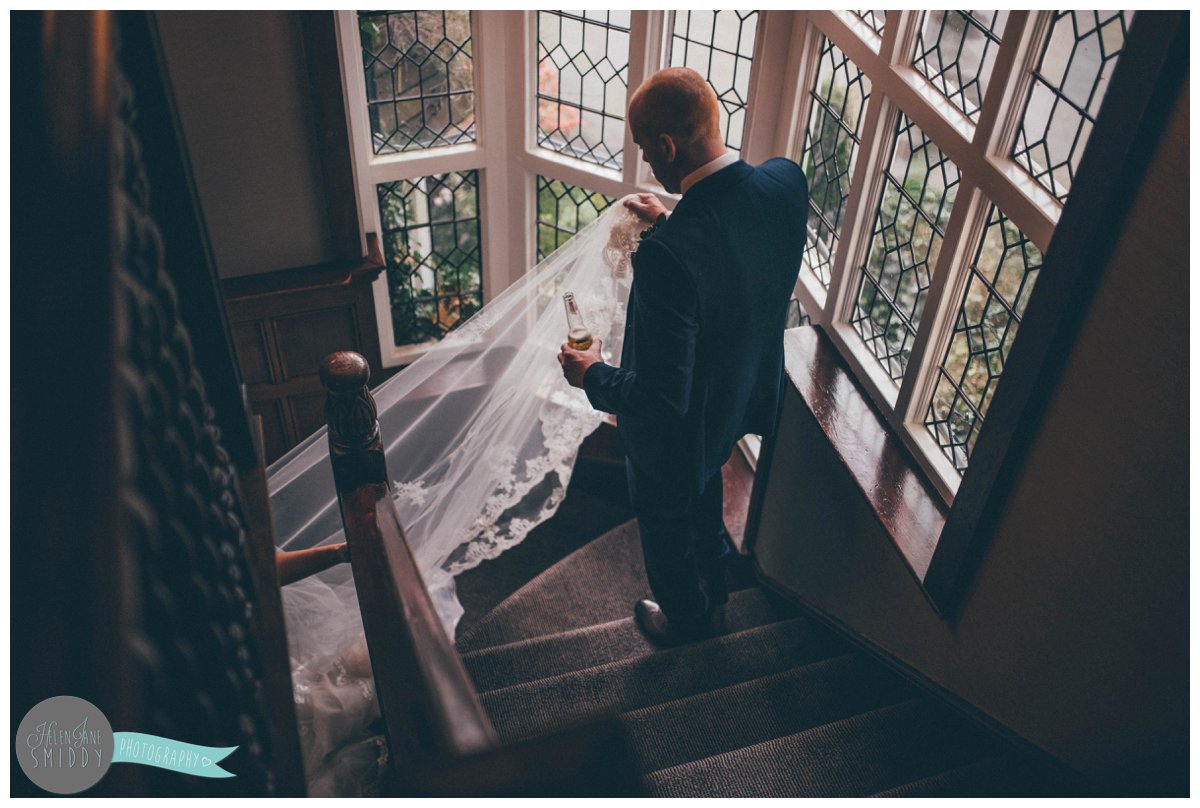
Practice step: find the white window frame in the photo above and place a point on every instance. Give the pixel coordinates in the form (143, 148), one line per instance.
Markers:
(988, 174)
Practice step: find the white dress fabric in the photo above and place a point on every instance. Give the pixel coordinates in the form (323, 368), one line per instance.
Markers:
(480, 436)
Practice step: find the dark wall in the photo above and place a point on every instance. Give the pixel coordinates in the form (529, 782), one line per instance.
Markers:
(241, 86)
(1075, 630)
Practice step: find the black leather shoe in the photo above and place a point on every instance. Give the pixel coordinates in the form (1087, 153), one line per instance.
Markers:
(654, 624)
(714, 589)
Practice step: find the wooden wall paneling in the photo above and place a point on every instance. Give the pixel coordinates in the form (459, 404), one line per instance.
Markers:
(276, 438)
(307, 337)
(284, 324)
(308, 413)
(253, 352)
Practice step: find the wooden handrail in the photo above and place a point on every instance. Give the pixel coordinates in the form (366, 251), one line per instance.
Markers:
(430, 708)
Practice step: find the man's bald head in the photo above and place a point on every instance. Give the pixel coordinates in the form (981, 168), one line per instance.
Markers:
(678, 102)
(676, 121)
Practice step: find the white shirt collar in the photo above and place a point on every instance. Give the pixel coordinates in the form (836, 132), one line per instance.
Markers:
(707, 170)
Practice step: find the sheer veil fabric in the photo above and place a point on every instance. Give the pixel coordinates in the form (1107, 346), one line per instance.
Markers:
(480, 434)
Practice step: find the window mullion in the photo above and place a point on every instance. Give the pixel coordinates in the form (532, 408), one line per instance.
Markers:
(354, 88)
(947, 285)
(499, 71)
(763, 114)
(1009, 83)
(900, 37)
(647, 33)
(867, 181)
(1010, 105)
(803, 66)
(520, 65)
(803, 61)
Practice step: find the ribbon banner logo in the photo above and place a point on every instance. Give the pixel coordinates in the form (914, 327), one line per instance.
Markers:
(65, 745)
(153, 750)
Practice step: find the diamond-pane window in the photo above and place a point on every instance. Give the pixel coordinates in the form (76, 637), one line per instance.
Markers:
(431, 245)
(839, 98)
(1068, 86)
(1001, 279)
(874, 19)
(419, 76)
(919, 188)
(956, 51)
(562, 210)
(583, 67)
(796, 315)
(719, 45)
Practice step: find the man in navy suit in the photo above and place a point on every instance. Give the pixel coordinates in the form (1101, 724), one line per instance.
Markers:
(703, 358)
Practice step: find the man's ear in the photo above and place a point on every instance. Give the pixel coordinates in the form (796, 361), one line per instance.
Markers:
(667, 144)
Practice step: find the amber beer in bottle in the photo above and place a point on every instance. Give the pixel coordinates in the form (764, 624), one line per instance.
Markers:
(578, 335)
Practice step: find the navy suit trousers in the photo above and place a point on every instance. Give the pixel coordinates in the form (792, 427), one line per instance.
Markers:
(685, 544)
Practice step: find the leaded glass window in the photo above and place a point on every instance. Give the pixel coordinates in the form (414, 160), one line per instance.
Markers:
(956, 51)
(431, 245)
(1068, 86)
(796, 315)
(562, 210)
(719, 45)
(875, 19)
(583, 73)
(839, 98)
(419, 78)
(1005, 269)
(919, 187)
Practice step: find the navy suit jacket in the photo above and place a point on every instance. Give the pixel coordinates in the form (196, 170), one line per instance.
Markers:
(702, 363)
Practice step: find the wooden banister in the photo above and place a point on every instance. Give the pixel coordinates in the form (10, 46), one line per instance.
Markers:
(440, 738)
(430, 708)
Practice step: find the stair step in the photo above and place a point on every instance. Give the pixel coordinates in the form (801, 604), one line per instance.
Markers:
(1004, 776)
(628, 684)
(760, 710)
(978, 779)
(854, 757)
(597, 583)
(541, 657)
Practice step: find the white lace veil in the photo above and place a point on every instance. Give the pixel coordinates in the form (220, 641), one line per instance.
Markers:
(480, 435)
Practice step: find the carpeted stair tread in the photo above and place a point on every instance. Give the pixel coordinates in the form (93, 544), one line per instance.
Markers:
(853, 757)
(598, 583)
(1004, 776)
(616, 687)
(540, 657)
(776, 707)
(990, 777)
(762, 709)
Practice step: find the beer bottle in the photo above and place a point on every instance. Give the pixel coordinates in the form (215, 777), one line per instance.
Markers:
(578, 335)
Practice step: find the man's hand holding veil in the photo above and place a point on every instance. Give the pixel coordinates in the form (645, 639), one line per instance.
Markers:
(648, 207)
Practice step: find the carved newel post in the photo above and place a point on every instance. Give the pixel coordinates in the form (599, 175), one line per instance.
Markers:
(355, 446)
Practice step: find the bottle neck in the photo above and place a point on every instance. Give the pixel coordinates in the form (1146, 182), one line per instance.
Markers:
(574, 317)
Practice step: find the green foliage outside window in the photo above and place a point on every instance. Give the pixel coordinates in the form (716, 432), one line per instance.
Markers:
(434, 260)
(562, 211)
